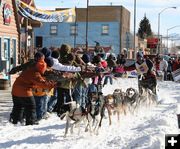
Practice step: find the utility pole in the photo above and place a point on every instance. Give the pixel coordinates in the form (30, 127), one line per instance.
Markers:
(134, 46)
(75, 25)
(87, 18)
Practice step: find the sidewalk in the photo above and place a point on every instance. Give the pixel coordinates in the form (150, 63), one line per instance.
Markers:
(5, 105)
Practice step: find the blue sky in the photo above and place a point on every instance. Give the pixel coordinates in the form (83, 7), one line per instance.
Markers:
(168, 18)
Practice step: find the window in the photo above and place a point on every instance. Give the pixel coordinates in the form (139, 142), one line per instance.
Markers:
(5, 51)
(105, 29)
(73, 29)
(53, 29)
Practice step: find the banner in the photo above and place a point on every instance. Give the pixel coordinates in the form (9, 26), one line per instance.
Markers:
(30, 12)
(132, 74)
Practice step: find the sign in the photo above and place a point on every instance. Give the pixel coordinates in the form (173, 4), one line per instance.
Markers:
(142, 68)
(30, 12)
(7, 14)
(152, 43)
(132, 74)
(152, 40)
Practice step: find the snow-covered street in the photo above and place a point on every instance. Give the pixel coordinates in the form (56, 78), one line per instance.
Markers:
(145, 129)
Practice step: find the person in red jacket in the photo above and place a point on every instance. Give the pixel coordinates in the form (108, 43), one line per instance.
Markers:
(23, 99)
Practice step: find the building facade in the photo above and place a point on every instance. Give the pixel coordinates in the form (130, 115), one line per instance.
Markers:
(107, 25)
(9, 36)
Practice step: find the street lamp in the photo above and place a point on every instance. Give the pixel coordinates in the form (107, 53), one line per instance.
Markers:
(158, 46)
(168, 31)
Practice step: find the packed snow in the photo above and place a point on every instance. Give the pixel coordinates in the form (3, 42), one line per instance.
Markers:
(145, 129)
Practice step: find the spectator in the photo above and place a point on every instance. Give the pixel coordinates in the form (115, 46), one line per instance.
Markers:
(41, 95)
(23, 99)
(169, 70)
(163, 65)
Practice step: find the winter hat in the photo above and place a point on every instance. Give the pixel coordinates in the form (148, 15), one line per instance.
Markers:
(49, 61)
(55, 54)
(46, 52)
(38, 56)
(86, 58)
(65, 49)
(41, 66)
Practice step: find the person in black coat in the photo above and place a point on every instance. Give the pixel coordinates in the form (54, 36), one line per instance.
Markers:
(146, 73)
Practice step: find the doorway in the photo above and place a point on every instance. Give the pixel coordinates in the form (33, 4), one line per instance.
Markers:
(39, 41)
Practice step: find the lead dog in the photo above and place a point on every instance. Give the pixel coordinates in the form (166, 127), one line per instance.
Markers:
(96, 112)
(115, 104)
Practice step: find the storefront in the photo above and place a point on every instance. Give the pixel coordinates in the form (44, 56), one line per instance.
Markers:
(9, 37)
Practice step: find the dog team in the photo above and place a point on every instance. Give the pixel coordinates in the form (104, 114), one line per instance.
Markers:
(77, 82)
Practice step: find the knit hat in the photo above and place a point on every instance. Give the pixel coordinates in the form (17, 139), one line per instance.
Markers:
(38, 56)
(86, 58)
(49, 61)
(55, 54)
(65, 49)
(46, 52)
(41, 66)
